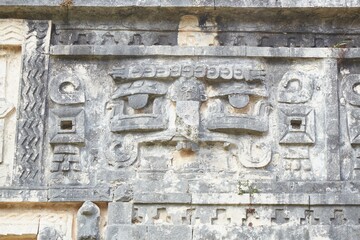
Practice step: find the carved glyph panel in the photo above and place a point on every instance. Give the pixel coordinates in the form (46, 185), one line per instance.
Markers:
(245, 118)
(350, 102)
(188, 104)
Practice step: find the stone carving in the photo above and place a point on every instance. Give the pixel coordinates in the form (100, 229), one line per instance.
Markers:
(295, 87)
(108, 39)
(280, 217)
(136, 40)
(296, 122)
(124, 153)
(191, 32)
(66, 158)
(257, 123)
(297, 158)
(162, 217)
(211, 72)
(12, 32)
(297, 125)
(173, 131)
(66, 90)
(88, 218)
(82, 39)
(67, 128)
(309, 218)
(144, 93)
(188, 95)
(133, 109)
(354, 128)
(32, 104)
(221, 217)
(67, 125)
(351, 89)
(252, 218)
(128, 221)
(49, 233)
(339, 218)
(111, 37)
(255, 154)
(351, 101)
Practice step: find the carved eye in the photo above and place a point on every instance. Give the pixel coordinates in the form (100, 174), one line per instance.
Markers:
(238, 100)
(238, 95)
(138, 101)
(138, 94)
(138, 105)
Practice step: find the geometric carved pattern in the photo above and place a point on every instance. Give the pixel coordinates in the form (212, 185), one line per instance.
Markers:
(11, 32)
(297, 125)
(67, 126)
(32, 104)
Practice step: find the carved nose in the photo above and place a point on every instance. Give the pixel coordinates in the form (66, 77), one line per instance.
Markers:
(188, 95)
(188, 119)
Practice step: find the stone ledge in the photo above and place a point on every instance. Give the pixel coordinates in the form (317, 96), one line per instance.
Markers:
(190, 3)
(222, 51)
(82, 194)
(162, 198)
(21, 195)
(79, 194)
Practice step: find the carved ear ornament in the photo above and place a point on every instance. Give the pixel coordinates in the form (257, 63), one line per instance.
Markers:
(123, 154)
(66, 90)
(351, 88)
(295, 87)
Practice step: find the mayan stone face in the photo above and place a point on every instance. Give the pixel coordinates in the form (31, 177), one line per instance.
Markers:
(189, 123)
(232, 115)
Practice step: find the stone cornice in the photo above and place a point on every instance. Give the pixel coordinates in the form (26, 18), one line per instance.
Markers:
(188, 3)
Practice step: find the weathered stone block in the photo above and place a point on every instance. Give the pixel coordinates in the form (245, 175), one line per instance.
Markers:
(120, 213)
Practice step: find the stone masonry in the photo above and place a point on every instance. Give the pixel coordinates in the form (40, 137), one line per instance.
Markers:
(186, 120)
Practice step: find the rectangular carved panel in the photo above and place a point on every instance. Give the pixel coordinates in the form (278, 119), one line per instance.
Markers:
(31, 117)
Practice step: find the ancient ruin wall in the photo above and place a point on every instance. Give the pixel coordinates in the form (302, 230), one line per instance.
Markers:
(179, 120)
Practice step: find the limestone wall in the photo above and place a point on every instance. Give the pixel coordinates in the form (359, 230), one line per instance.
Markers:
(179, 121)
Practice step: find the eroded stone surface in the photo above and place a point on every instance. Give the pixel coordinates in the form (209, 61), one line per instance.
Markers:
(88, 218)
(194, 31)
(195, 124)
(12, 34)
